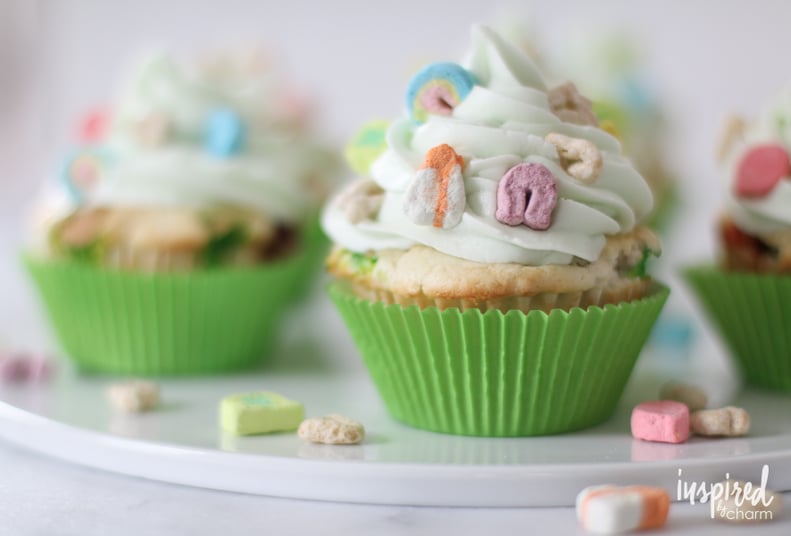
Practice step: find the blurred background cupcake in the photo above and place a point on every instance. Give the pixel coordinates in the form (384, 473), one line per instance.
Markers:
(748, 293)
(492, 259)
(185, 220)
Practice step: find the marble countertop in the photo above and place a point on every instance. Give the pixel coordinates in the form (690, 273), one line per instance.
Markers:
(41, 496)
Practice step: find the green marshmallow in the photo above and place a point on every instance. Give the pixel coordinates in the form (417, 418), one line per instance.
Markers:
(368, 144)
(262, 412)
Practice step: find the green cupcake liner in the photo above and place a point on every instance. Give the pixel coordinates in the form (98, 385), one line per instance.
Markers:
(197, 322)
(495, 374)
(316, 247)
(753, 315)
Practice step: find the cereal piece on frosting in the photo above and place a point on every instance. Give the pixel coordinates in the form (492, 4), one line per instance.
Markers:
(332, 430)
(567, 103)
(732, 133)
(580, 158)
(361, 200)
(135, 396)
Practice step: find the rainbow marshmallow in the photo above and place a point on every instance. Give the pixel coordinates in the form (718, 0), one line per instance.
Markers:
(437, 89)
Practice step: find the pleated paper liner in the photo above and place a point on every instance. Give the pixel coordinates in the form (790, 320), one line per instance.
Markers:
(499, 374)
(196, 322)
(753, 315)
(316, 246)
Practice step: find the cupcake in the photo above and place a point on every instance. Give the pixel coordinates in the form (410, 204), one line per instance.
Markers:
(491, 265)
(748, 292)
(185, 221)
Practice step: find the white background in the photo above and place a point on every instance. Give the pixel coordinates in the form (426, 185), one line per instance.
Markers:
(60, 57)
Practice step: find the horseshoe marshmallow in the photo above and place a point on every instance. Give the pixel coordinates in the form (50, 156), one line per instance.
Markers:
(580, 158)
(527, 194)
(436, 196)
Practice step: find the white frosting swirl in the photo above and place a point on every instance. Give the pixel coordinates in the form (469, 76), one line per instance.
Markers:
(500, 124)
(771, 213)
(279, 171)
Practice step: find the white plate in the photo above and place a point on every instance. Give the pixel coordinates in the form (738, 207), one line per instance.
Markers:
(181, 444)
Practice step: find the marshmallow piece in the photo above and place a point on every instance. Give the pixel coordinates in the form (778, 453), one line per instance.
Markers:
(261, 412)
(760, 169)
(612, 509)
(134, 396)
(665, 421)
(693, 396)
(368, 144)
(768, 504)
(20, 367)
(727, 422)
(225, 133)
(527, 193)
(437, 89)
(12, 368)
(436, 195)
(332, 430)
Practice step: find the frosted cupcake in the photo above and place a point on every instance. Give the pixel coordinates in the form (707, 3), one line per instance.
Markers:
(184, 223)
(491, 266)
(748, 293)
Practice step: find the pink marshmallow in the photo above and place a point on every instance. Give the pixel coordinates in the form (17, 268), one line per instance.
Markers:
(39, 368)
(665, 421)
(13, 368)
(20, 366)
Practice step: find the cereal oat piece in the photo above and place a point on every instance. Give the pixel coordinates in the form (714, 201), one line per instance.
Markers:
(613, 509)
(693, 396)
(727, 422)
(332, 430)
(731, 133)
(665, 421)
(568, 105)
(259, 413)
(580, 158)
(361, 200)
(134, 396)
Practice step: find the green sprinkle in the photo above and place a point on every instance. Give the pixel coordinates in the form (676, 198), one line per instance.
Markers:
(641, 268)
(220, 246)
(362, 263)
